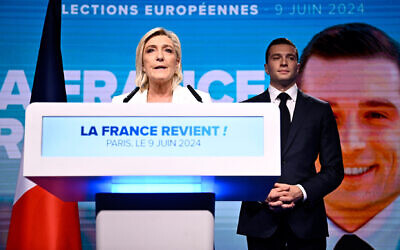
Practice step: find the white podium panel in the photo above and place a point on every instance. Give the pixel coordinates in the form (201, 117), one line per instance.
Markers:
(148, 230)
(75, 150)
(155, 221)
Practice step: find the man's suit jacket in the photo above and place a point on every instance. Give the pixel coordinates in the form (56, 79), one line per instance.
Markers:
(313, 133)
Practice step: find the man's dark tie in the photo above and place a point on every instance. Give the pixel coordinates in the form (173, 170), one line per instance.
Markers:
(285, 118)
(352, 241)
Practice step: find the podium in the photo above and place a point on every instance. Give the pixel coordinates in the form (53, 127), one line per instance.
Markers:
(126, 153)
(165, 221)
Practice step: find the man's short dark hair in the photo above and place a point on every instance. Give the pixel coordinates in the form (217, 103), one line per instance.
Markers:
(351, 40)
(278, 41)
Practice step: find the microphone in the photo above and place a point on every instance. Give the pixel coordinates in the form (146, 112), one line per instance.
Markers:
(129, 97)
(194, 93)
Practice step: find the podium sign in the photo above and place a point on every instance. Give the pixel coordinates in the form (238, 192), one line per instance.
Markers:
(78, 149)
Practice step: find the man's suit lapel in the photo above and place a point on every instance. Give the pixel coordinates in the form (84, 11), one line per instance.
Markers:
(268, 97)
(298, 116)
(298, 119)
(264, 97)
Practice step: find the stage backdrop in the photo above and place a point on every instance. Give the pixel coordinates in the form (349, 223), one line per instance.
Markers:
(223, 45)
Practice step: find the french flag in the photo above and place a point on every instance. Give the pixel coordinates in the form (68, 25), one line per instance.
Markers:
(40, 220)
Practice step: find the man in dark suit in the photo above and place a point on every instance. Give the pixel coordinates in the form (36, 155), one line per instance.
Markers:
(293, 214)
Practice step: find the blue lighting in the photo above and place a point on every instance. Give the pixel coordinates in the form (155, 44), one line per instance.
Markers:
(156, 179)
(155, 188)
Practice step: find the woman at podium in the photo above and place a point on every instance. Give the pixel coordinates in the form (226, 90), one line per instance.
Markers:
(159, 72)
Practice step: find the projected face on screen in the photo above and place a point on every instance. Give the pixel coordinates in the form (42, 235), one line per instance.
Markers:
(365, 98)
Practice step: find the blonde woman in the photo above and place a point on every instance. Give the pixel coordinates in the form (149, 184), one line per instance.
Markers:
(159, 72)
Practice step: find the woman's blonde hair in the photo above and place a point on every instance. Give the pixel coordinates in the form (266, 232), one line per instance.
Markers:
(142, 81)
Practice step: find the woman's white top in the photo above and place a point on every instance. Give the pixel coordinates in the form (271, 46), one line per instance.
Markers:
(180, 95)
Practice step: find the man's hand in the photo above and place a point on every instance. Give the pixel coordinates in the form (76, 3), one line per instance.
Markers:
(283, 196)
